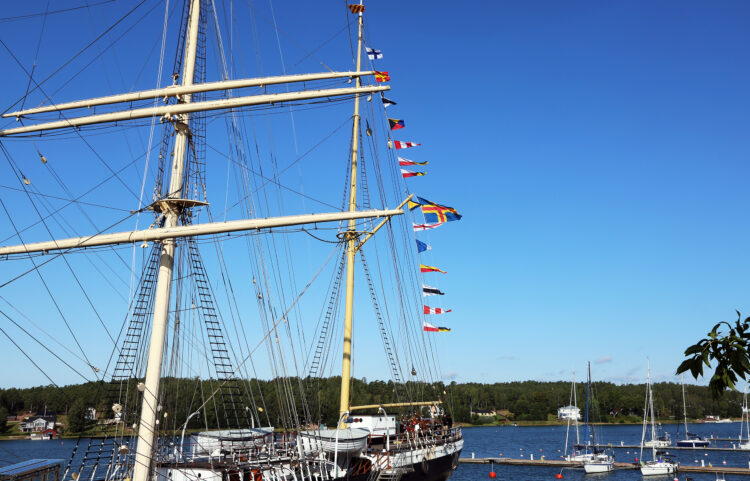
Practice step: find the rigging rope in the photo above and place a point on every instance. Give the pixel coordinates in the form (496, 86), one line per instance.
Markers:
(107, 30)
(53, 12)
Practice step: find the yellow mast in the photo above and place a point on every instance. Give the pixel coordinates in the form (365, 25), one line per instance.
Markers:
(351, 244)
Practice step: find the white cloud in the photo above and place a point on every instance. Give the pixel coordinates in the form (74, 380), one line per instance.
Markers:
(604, 359)
(451, 375)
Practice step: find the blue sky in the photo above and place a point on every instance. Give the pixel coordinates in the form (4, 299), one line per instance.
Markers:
(597, 150)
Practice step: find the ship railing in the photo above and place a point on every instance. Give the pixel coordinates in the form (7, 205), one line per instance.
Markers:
(412, 440)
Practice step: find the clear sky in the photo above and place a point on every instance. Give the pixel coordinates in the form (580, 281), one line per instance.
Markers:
(598, 152)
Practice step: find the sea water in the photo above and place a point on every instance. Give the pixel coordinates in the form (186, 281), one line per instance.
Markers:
(549, 441)
(512, 442)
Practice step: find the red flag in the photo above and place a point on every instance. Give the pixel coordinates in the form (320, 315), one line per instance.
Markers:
(410, 173)
(424, 268)
(426, 326)
(356, 8)
(403, 161)
(404, 145)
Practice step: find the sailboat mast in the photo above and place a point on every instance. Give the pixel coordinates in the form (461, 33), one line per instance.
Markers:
(588, 390)
(745, 416)
(575, 403)
(684, 405)
(351, 243)
(148, 422)
(651, 404)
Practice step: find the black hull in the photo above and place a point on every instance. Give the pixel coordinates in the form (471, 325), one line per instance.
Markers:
(438, 469)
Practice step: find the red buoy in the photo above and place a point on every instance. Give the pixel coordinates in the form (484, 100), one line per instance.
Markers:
(559, 476)
(492, 474)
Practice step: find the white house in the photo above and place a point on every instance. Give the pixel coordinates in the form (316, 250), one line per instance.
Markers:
(569, 412)
(483, 412)
(37, 423)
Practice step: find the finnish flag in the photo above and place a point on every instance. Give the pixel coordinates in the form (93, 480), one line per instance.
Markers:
(373, 53)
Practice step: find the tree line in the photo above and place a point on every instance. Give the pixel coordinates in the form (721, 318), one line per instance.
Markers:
(271, 403)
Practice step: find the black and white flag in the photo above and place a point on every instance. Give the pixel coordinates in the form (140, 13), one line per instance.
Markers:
(431, 291)
(387, 103)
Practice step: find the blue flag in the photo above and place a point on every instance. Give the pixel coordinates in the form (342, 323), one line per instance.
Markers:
(421, 246)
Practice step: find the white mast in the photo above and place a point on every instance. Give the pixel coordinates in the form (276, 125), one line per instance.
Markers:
(648, 410)
(575, 403)
(684, 405)
(575, 416)
(745, 421)
(651, 403)
(148, 422)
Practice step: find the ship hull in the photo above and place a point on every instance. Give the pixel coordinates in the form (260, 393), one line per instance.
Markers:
(692, 444)
(437, 469)
(658, 469)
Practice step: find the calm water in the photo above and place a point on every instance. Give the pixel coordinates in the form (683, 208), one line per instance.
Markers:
(548, 441)
(515, 442)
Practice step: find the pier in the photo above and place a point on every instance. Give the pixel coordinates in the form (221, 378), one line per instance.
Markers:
(576, 465)
(667, 448)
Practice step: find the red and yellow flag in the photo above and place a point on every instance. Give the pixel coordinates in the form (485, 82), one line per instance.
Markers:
(382, 76)
(356, 8)
(424, 268)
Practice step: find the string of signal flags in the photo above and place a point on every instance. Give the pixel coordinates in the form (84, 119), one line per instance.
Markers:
(434, 214)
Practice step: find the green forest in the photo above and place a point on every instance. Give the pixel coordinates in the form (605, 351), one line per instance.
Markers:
(531, 401)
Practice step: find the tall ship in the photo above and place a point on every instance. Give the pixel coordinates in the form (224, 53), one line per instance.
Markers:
(172, 223)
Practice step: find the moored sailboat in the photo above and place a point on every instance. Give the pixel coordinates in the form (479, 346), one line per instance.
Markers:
(576, 454)
(691, 440)
(744, 424)
(597, 461)
(659, 464)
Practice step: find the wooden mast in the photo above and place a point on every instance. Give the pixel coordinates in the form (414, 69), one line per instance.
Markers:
(351, 244)
(149, 407)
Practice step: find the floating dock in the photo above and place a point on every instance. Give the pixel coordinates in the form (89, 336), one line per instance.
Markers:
(574, 465)
(667, 448)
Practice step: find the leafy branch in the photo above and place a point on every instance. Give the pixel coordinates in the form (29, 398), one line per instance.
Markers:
(730, 352)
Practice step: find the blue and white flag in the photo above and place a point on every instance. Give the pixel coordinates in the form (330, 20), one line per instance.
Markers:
(421, 246)
(373, 53)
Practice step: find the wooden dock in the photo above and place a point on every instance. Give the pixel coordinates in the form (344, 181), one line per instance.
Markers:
(575, 465)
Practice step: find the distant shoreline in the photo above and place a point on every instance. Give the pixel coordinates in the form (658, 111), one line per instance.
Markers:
(510, 424)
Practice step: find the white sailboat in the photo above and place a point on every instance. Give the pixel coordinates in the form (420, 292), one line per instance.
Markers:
(158, 342)
(598, 461)
(659, 465)
(691, 440)
(576, 454)
(745, 423)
